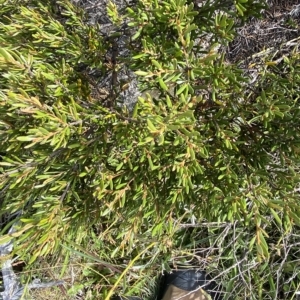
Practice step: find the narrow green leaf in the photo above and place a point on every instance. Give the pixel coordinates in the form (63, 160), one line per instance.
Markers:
(142, 73)
(151, 127)
(25, 138)
(276, 217)
(156, 64)
(181, 89)
(5, 239)
(169, 102)
(6, 55)
(137, 34)
(162, 84)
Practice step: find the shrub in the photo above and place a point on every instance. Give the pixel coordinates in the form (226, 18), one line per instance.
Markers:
(203, 145)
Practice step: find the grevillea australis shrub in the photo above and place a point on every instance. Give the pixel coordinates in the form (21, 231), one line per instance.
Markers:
(203, 142)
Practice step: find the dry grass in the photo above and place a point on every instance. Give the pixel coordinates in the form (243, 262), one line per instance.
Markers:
(70, 282)
(49, 294)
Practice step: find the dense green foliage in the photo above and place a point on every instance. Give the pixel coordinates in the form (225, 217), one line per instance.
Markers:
(210, 146)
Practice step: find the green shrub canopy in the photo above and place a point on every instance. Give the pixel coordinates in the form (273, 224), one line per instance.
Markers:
(203, 141)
